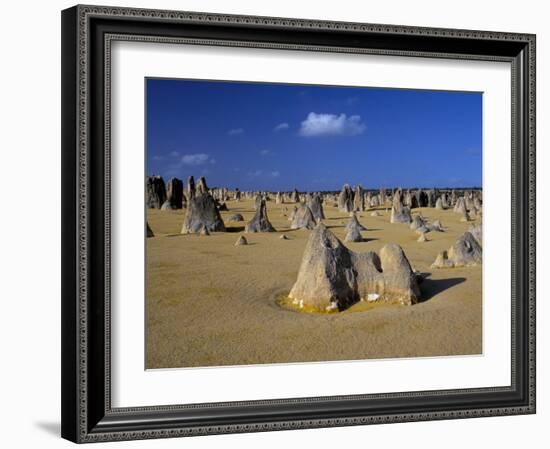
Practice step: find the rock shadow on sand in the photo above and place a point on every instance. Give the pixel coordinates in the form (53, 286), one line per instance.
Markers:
(432, 287)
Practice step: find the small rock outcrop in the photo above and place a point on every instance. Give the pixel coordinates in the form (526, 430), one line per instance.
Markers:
(353, 235)
(260, 222)
(241, 241)
(466, 251)
(354, 223)
(331, 277)
(417, 222)
(236, 217)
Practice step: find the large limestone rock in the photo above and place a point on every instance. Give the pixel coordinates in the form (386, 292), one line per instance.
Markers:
(315, 204)
(303, 218)
(174, 195)
(260, 221)
(331, 277)
(465, 252)
(202, 212)
(388, 277)
(155, 192)
(477, 231)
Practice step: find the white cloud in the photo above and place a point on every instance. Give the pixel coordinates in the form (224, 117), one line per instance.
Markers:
(174, 153)
(195, 159)
(235, 131)
(275, 174)
(331, 125)
(264, 152)
(281, 126)
(255, 173)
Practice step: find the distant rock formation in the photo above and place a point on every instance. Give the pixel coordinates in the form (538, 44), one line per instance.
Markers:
(331, 277)
(315, 204)
(174, 195)
(260, 221)
(345, 199)
(359, 199)
(155, 192)
(295, 196)
(399, 212)
(201, 212)
(466, 251)
(303, 218)
(460, 206)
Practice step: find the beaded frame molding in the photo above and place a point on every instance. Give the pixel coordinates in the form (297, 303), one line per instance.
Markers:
(87, 34)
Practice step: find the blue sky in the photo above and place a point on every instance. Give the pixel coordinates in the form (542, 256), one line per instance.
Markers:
(261, 136)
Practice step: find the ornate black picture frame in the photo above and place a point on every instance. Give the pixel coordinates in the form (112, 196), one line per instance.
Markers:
(87, 33)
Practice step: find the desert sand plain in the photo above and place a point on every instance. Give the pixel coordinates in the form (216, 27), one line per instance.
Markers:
(210, 303)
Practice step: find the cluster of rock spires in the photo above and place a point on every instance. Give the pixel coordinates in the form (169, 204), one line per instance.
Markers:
(332, 277)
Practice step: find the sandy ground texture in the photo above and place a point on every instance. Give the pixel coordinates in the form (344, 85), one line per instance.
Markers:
(210, 303)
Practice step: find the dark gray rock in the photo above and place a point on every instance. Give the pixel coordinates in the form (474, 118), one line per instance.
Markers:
(202, 213)
(155, 192)
(260, 221)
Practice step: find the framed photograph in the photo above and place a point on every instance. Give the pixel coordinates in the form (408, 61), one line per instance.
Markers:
(276, 224)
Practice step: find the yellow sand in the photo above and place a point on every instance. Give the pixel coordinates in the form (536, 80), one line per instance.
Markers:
(210, 303)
